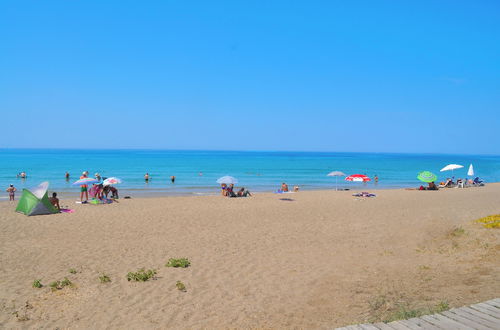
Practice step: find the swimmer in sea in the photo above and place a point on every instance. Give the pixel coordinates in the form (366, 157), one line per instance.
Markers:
(146, 177)
(67, 176)
(172, 178)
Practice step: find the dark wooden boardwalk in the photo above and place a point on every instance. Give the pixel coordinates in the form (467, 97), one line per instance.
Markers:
(482, 316)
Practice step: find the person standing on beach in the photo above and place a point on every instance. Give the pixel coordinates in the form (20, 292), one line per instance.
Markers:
(83, 189)
(12, 191)
(172, 178)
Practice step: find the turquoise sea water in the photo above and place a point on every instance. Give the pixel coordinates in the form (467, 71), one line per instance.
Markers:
(258, 171)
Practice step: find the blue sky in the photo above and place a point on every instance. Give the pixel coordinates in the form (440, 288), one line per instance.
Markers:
(380, 76)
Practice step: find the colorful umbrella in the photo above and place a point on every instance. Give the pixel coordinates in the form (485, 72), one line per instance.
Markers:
(110, 181)
(358, 178)
(427, 176)
(85, 181)
(227, 180)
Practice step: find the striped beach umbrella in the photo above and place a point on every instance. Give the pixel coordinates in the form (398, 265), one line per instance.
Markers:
(85, 181)
(426, 176)
(358, 178)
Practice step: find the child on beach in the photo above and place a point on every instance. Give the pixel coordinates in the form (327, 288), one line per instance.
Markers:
(12, 191)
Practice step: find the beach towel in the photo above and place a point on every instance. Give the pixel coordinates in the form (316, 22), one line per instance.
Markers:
(67, 211)
(364, 194)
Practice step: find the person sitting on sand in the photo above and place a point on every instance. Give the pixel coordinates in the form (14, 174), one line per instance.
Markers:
(12, 192)
(243, 193)
(223, 188)
(55, 201)
(432, 186)
(230, 191)
(110, 189)
(284, 187)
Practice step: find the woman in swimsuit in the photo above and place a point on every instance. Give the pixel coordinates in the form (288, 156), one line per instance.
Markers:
(12, 191)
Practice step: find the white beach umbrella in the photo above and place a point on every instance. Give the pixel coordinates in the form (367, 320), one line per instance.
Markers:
(470, 172)
(336, 174)
(451, 167)
(110, 181)
(227, 180)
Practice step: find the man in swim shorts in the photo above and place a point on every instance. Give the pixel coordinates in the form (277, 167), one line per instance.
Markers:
(84, 189)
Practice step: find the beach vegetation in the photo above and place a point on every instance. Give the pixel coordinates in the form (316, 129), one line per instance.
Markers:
(178, 263)
(457, 232)
(141, 275)
(492, 221)
(180, 286)
(58, 285)
(72, 271)
(388, 309)
(105, 278)
(21, 318)
(37, 284)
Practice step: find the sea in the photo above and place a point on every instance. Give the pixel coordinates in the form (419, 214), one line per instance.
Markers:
(196, 172)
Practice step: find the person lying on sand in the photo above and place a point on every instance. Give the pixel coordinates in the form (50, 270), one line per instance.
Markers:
(55, 201)
(243, 193)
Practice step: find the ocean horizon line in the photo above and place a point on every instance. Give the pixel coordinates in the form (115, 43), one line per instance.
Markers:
(249, 151)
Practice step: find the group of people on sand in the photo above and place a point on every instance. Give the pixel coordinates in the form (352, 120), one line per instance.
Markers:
(461, 183)
(284, 188)
(228, 191)
(98, 190)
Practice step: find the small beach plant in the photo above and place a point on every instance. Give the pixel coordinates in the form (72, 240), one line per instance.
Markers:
(37, 284)
(105, 278)
(72, 271)
(458, 231)
(178, 263)
(180, 286)
(141, 275)
(58, 285)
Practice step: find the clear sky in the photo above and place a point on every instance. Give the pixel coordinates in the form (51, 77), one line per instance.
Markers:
(382, 76)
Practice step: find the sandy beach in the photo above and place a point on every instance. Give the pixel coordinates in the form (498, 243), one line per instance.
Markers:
(315, 259)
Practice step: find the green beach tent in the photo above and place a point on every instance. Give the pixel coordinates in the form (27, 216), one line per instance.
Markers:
(36, 201)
